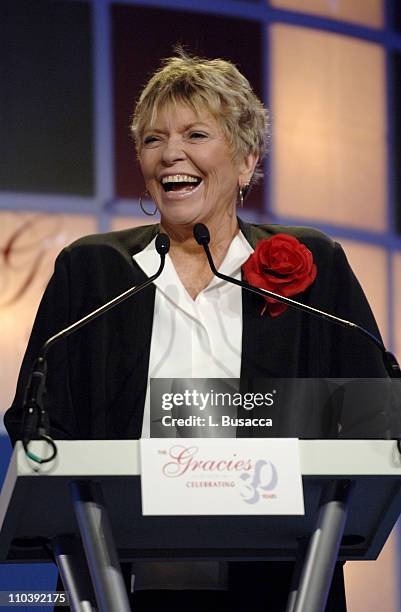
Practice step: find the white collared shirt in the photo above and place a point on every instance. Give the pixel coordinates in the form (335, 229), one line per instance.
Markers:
(198, 338)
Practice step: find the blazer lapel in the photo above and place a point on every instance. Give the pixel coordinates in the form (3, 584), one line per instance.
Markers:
(136, 318)
(257, 360)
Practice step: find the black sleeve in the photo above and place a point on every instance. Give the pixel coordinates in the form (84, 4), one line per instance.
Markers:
(52, 315)
(367, 406)
(352, 354)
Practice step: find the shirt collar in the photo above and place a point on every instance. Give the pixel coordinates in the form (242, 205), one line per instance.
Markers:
(149, 260)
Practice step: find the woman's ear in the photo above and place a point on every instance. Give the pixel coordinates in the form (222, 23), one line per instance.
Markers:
(247, 168)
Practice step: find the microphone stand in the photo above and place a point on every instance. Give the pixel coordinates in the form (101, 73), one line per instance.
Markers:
(202, 236)
(36, 424)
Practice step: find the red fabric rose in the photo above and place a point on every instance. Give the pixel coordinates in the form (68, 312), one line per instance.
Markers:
(280, 264)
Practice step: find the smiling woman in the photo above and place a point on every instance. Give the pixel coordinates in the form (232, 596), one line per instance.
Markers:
(192, 175)
(189, 170)
(200, 133)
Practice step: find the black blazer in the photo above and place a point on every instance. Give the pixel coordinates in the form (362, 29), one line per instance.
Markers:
(97, 378)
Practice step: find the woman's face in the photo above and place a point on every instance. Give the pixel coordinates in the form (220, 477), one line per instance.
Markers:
(188, 167)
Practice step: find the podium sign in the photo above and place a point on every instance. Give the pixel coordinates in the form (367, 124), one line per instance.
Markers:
(352, 491)
(221, 476)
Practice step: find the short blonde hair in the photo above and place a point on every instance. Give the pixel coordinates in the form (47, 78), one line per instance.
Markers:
(215, 85)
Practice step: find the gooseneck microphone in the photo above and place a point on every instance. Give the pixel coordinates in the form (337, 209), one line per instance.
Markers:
(36, 423)
(202, 237)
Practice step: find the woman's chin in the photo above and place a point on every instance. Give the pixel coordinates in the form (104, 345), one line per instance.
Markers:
(180, 215)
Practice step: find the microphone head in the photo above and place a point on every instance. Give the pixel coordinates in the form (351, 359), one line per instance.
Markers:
(201, 234)
(162, 244)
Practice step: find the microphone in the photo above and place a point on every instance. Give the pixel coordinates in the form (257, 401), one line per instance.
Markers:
(35, 422)
(202, 237)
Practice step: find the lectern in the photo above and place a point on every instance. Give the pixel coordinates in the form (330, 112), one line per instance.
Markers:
(89, 499)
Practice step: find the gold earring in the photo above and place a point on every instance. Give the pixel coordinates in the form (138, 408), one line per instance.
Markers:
(242, 191)
(146, 195)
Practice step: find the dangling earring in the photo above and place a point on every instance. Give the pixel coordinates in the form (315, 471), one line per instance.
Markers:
(242, 190)
(146, 195)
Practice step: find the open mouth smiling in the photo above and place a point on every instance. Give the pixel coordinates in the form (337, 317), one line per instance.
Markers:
(180, 182)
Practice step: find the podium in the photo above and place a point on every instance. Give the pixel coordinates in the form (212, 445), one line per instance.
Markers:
(89, 499)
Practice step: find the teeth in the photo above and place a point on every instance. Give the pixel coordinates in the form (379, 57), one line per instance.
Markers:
(180, 178)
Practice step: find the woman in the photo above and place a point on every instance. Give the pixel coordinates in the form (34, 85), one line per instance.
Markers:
(200, 133)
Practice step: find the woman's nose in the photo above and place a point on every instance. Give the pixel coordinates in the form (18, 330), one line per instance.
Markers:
(173, 151)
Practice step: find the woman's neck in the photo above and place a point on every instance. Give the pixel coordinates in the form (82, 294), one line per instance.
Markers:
(222, 231)
(188, 256)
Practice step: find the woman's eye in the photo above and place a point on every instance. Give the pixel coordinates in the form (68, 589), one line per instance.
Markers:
(150, 140)
(197, 135)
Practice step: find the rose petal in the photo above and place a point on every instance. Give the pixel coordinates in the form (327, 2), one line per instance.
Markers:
(280, 264)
